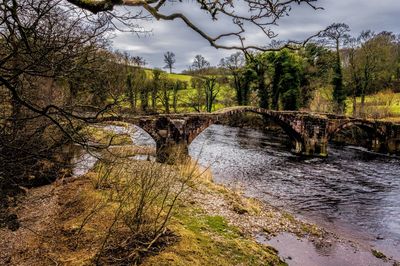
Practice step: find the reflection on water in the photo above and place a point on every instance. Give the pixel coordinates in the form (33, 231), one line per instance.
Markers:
(352, 191)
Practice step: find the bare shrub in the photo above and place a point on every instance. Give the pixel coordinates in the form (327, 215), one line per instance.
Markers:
(140, 201)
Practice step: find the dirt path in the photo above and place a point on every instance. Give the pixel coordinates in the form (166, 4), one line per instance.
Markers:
(37, 212)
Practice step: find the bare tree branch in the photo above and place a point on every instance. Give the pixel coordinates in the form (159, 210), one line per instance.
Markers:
(262, 14)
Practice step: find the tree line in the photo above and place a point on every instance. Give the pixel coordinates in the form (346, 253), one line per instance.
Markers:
(352, 66)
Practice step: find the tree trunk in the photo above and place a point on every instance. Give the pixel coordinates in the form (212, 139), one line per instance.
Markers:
(154, 99)
(354, 104)
(175, 101)
(275, 97)
(16, 114)
(239, 94)
(362, 107)
(144, 100)
(166, 101)
(263, 91)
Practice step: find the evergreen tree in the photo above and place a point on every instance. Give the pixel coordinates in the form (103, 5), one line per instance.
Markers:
(285, 71)
(339, 93)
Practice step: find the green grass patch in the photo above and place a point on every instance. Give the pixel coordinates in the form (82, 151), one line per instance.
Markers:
(180, 77)
(210, 240)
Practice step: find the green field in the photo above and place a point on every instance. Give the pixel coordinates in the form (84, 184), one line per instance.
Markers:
(383, 105)
(181, 77)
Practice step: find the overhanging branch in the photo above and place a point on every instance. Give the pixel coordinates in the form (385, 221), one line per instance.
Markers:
(261, 13)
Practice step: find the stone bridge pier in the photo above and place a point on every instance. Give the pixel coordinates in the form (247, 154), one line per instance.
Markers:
(315, 143)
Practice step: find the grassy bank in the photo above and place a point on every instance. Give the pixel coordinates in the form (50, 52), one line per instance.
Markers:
(75, 225)
(194, 235)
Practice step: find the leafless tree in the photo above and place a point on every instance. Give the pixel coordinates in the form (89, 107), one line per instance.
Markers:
(48, 49)
(164, 92)
(336, 35)
(350, 62)
(199, 63)
(234, 64)
(211, 90)
(196, 100)
(169, 60)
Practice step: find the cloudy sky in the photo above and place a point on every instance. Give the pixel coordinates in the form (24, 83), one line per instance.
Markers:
(303, 21)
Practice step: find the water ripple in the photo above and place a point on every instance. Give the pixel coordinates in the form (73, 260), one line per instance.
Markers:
(352, 188)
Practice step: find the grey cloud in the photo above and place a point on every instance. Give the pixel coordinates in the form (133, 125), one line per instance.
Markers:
(176, 37)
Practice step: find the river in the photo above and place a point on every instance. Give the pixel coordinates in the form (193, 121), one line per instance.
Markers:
(352, 192)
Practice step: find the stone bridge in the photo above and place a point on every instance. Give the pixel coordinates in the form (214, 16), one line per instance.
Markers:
(309, 132)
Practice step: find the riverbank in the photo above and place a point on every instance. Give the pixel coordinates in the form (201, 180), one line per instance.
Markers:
(297, 242)
(51, 216)
(212, 225)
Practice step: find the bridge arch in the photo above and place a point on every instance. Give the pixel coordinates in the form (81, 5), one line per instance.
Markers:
(375, 137)
(144, 138)
(366, 126)
(295, 137)
(199, 125)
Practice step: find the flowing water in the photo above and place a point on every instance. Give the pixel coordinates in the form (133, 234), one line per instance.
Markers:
(353, 192)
